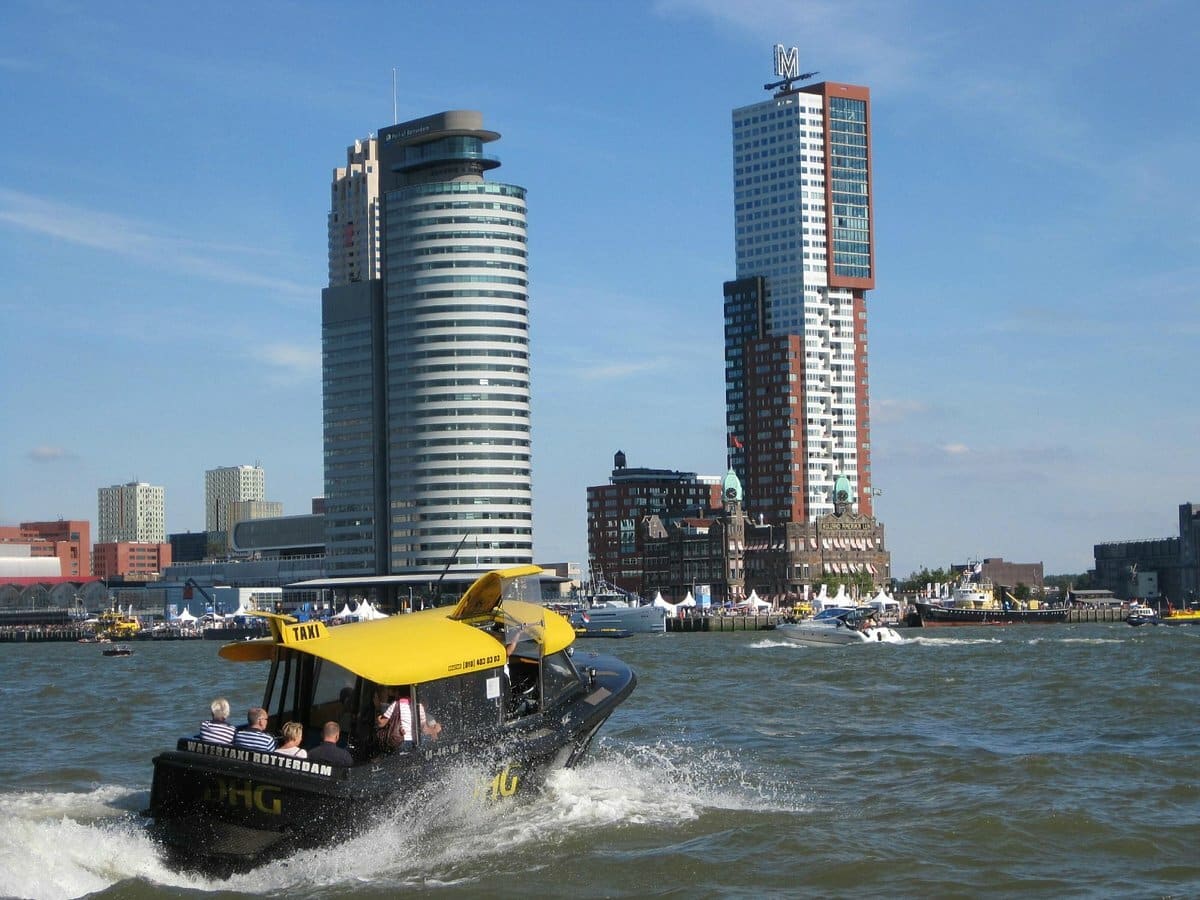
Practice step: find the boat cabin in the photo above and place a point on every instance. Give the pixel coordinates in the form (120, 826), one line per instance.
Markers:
(467, 671)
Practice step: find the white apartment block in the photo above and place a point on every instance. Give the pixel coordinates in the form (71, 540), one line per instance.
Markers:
(132, 512)
(227, 486)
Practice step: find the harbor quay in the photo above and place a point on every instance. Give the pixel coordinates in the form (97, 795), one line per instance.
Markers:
(686, 625)
(699, 624)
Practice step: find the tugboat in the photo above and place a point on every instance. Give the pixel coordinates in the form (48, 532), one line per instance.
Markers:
(493, 676)
(973, 602)
(116, 624)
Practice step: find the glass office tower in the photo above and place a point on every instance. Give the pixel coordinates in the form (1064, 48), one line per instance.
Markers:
(427, 413)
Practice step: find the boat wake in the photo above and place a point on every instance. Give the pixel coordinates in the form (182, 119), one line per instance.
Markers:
(767, 643)
(67, 845)
(952, 641)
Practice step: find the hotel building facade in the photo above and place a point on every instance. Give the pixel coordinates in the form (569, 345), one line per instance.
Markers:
(426, 367)
(797, 386)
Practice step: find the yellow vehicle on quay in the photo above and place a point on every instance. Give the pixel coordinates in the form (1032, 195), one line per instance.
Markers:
(493, 688)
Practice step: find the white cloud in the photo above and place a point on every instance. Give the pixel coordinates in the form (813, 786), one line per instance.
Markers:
(128, 238)
(852, 35)
(47, 454)
(291, 362)
(955, 449)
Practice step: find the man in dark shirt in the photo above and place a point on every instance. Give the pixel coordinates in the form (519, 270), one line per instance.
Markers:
(328, 751)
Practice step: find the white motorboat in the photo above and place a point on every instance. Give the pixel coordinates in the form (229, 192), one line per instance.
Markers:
(840, 625)
(624, 615)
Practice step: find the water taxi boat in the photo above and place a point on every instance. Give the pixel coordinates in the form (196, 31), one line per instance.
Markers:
(1142, 614)
(115, 624)
(118, 650)
(496, 675)
(839, 625)
(1186, 616)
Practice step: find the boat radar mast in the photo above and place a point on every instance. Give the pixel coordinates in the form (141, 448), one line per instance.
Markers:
(787, 64)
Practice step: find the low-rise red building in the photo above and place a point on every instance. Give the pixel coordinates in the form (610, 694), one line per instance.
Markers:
(68, 539)
(131, 560)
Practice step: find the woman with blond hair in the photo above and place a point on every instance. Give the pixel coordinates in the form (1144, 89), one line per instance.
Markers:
(293, 733)
(218, 729)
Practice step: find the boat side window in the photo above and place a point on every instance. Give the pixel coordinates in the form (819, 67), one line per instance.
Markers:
(559, 678)
(332, 697)
(463, 704)
(277, 685)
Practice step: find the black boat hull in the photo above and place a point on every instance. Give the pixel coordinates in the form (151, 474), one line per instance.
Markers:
(929, 615)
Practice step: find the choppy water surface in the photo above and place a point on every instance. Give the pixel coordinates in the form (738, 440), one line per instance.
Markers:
(1034, 761)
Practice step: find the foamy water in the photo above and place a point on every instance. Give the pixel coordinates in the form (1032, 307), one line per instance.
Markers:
(66, 845)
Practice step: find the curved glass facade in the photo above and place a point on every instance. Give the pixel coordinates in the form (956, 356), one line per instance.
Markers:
(426, 367)
(458, 410)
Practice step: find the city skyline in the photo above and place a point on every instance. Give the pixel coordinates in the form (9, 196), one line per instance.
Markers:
(164, 248)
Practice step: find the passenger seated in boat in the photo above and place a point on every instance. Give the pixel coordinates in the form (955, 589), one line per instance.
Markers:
(253, 735)
(293, 734)
(217, 730)
(430, 727)
(328, 750)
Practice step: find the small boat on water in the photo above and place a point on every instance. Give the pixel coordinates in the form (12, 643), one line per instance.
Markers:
(973, 602)
(1142, 614)
(585, 628)
(117, 650)
(840, 625)
(1188, 616)
(491, 682)
(615, 611)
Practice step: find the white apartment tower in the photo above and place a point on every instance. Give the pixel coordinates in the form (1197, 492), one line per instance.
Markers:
(134, 512)
(797, 408)
(354, 216)
(225, 486)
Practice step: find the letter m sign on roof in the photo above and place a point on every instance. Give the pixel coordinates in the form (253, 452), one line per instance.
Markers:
(787, 62)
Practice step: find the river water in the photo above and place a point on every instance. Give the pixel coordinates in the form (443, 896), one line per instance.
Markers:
(1020, 761)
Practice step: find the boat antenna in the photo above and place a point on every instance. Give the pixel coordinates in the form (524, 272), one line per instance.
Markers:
(446, 568)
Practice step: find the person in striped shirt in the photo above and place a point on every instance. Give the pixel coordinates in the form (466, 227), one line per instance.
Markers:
(253, 735)
(217, 730)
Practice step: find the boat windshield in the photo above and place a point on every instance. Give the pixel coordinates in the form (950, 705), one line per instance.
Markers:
(834, 612)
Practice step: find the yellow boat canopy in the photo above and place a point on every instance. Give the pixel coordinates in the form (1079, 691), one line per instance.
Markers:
(421, 646)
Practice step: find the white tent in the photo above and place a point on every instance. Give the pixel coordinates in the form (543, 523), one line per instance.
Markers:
(186, 616)
(755, 602)
(366, 611)
(689, 600)
(345, 613)
(659, 601)
(840, 598)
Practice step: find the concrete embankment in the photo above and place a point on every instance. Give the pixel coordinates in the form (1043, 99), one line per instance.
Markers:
(723, 623)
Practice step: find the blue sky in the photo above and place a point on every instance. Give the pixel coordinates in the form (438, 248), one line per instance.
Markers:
(164, 178)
